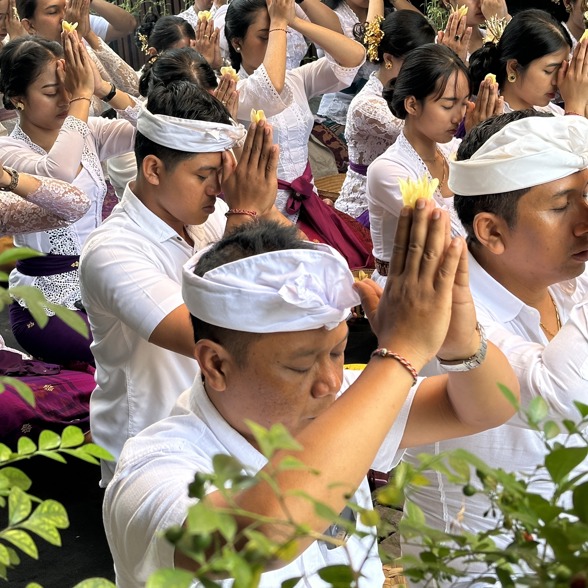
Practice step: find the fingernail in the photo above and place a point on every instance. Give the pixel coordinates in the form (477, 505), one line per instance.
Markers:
(421, 203)
(404, 211)
(436, 214)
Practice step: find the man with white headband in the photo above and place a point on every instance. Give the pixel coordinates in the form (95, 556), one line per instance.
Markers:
(269, 314)
(521, 189)
(131, 266)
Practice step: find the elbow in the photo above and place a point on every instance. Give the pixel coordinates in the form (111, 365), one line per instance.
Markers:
(355, 57)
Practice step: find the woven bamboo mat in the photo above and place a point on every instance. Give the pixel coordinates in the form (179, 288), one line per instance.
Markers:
(394, 577)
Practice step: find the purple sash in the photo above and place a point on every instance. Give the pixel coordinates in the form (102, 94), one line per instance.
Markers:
(358, 168)
(48, 265)
(323, 223)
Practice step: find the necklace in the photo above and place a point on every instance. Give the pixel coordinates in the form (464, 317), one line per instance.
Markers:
(438, 154)
(557, 319)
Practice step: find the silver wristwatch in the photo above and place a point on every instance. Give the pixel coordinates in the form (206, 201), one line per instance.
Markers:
(465, 365)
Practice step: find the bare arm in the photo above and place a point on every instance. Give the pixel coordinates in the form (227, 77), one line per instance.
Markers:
(320, 14)
(121, 23)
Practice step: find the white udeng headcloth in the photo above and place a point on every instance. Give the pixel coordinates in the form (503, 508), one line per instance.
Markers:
(525, 153)
(192, 136)
(275, 292)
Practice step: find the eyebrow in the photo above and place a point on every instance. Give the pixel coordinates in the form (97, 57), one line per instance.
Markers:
(53, 85)
(307, 352)
(561, 193)
(209, 168)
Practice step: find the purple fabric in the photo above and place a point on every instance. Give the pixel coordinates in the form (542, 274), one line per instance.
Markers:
(55, 343)
(364, 218)
(461, 130)
(60, 400)
(14, 364)
(48, 265)
(324, 224)
(358, 168)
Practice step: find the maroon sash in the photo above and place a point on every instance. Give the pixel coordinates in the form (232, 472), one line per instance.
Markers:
(324, 224)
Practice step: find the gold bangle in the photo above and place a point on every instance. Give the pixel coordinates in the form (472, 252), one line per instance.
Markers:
(80, 98)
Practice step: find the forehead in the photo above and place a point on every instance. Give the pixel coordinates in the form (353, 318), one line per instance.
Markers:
(457, 87)
(45, 5)
(573, 184)
(554, 58)
(3, 6)
(202, 160)
(48, 76)
(260, 21)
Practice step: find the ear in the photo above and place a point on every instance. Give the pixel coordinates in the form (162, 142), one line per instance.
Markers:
(512, 66)
(491, 230)
(411, 105)
(215, 364)
(236, 43)
(28, 26)
(152, 169)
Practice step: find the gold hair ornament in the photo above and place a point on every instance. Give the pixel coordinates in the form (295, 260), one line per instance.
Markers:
(144, 42)
(372, 37)
(495, 27)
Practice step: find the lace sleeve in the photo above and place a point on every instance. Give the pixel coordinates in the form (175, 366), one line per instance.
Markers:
(257, 91)
(373, 128)
(53, 204)
(121, 74)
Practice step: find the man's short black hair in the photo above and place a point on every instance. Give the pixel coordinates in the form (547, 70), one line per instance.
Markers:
(503, 205)
(182, 99)
(253, 238)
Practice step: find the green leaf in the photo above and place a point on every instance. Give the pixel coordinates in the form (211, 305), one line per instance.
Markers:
(15, 253)
(13, 477)
(413, 513)
(226, 467)
(33, 585)
(26, 446)
(19, 506)
(560, 462)
(537, 410)
(49, 440)
(21, 389)
(45, 521)
(339, 576)
(551, 430)
(22, 540)
(4, 555)
(580, 500)
(291, 583)
(95, 583)
(97, 451)
(71, 318)
(5, 452)
(168, 578)
(582, 408)
(274, 439)
(53, 455)
(80, 454)
(512, 399)
(370, 518)
(72, 437)
(325, 512)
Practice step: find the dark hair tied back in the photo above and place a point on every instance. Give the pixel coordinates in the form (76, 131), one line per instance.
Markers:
(240, 15)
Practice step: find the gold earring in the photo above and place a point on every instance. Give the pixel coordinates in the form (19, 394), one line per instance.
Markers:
(19, 106)
(388, 65)
(512, 78)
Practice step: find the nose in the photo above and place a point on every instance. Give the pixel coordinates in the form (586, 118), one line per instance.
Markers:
(328, 381)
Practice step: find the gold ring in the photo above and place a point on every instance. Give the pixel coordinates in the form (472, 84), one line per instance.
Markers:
(206, 36)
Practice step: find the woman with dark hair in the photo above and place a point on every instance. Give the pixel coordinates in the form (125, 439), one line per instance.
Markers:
(577, 18)
(431, 95)
(257, 44)
(155, 34)
(371, 128)
(527, 61)
(56, 138)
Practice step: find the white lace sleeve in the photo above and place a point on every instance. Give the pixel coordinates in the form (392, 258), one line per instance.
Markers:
(53, 204)
(372, 128)
(258, 92)
(120, 73)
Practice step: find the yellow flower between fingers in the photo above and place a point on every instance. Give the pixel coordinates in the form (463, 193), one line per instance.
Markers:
(584, 35)
(204, 15)
(68, 26)
(491, 77)
(461, 10)
(412, 190)
(227, 69)
(256, 115)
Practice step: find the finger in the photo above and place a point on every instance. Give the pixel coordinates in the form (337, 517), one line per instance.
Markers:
(462, 272)
(446, 275)
(246, 152)
(229, 164)
(370, 294)
(434, 248)
(257, 144)
(499, 109)
(271, 169)
(467, 35)
(401, 240)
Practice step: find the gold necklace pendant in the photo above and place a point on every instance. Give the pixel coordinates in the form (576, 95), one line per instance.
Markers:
(557, 320)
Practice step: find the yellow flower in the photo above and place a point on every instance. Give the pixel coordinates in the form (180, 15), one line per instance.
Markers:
(230, 71)
(584, 35)
(256, 115)
(491, 77)
(412, 190)
(461, 10)
(68, 26)
(204, 15)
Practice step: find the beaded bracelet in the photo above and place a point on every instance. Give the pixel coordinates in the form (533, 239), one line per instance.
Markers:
(278, 29)
(231, 211)
(80, 98)
(383, 352)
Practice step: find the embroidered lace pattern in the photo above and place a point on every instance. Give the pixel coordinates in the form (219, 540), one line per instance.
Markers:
(53, 204)
(371, 128)
(64, 288)
(120, 73)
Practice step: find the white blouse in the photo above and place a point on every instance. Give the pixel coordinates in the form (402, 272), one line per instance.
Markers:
(370, 129)
(288, 112)
(385, 201)
(75, 157)
(335, 105)
(53, 204)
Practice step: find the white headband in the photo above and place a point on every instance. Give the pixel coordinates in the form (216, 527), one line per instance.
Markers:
(525, 153)
(192, 136)
(275, 292)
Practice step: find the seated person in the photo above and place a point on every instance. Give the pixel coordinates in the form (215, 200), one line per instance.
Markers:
(130, 267)
(289, 300)
(520, 186)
